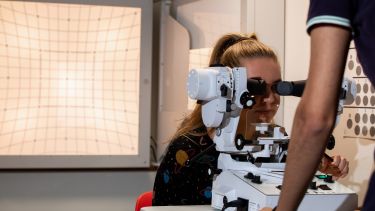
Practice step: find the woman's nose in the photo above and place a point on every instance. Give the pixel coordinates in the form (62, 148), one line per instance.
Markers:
(270, 97)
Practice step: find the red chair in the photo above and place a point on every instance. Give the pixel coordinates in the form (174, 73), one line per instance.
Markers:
(144, 200)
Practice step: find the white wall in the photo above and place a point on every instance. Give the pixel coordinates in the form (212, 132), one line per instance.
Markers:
(204, 24)
(297, 51)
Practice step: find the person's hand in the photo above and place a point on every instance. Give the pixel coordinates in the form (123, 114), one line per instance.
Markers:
(266, 209)
(342, 164)
(338, 168)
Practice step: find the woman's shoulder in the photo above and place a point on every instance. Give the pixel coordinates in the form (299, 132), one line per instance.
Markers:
(190, 141)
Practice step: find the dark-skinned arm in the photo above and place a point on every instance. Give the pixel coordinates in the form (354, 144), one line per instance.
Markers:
(316, 112)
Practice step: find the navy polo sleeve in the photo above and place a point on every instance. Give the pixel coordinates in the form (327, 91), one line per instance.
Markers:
(336, 12)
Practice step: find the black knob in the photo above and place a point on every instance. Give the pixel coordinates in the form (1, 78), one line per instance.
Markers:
(212, 171)
(224, 90)
(239, 142)
(246, 100)
(312, 185)
(217, 171)
(256, 180)
(331, 142)
(329, 179)
(249, 175)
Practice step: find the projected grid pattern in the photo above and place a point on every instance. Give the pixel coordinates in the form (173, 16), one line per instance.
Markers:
(69, 79)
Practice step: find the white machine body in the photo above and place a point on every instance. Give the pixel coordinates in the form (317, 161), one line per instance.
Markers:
(234, 185)
(206, 85)
(223, 94)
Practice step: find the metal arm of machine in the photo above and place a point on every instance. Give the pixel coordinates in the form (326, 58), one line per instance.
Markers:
(225, 91)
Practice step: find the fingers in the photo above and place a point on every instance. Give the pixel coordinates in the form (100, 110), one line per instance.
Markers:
(342, 164)
(345, 169)
(338, 168)
(324, 163)
(336, 160)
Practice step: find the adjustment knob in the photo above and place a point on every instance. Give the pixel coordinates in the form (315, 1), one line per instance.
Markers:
(329, 179)
(223, 90)
(249, 175)
(239, 142)
(256, 180)
(331, 142)
(246, 100)
(313, 186)
(213, 171)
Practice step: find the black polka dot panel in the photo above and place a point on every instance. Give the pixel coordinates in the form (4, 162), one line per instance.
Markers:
(358, 117)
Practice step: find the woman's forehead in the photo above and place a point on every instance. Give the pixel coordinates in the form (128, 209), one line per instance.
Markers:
(266, 68)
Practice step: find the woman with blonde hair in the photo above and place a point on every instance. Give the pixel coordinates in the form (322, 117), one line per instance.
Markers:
(179, 181)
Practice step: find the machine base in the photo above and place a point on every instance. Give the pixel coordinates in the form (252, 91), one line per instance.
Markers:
(233, 185)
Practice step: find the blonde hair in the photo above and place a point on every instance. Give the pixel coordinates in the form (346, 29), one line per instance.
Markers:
(228, 51)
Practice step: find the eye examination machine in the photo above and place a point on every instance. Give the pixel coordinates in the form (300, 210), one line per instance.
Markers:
(250, 171)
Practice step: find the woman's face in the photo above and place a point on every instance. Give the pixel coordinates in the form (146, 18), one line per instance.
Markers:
(266, 106)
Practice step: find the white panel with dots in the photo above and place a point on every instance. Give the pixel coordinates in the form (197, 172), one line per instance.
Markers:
(359, 116)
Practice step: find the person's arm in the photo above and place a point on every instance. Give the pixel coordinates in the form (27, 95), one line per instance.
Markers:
(315, 113)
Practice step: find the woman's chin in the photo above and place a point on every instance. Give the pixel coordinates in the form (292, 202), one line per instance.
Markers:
(264, 118)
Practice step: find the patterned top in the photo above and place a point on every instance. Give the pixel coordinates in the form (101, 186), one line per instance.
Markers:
(179, 182)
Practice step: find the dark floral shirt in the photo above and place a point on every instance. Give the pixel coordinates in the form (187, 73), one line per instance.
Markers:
(181, 183)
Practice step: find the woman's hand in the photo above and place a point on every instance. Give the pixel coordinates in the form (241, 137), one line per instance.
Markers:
(339, 167)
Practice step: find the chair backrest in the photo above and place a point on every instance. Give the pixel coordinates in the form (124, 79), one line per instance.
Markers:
(144, 200)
